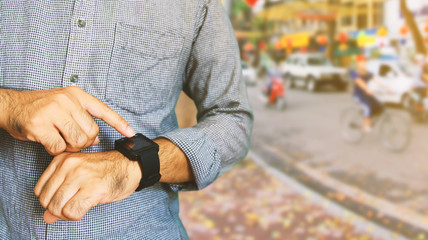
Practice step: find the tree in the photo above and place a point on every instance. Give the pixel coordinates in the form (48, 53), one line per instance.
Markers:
(331, 31)
(411, 23)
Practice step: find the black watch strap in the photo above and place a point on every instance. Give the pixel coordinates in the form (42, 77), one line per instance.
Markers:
(149, 164)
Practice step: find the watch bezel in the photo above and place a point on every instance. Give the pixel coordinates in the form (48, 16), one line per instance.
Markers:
(132, 154)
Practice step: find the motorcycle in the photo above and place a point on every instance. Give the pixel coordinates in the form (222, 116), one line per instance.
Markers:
(274, 93)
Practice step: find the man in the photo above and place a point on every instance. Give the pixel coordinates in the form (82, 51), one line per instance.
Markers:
(69, 69)
(363, 95)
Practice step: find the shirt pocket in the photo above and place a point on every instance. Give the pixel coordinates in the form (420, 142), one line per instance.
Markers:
(143, 68)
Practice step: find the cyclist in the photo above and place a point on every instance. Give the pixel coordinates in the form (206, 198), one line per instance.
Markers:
(363, 95)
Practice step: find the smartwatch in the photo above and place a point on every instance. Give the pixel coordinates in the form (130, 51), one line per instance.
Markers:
(140, 148)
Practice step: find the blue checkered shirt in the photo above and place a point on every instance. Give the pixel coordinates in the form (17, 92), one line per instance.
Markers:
(136, 56)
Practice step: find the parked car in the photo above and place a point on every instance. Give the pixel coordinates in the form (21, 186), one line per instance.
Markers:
(311, 70)
(249, 74)
(392, 75)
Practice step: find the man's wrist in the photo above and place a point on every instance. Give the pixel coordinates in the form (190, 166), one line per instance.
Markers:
(134, 169)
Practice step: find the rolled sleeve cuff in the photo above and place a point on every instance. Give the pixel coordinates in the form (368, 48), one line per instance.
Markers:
(202, 155)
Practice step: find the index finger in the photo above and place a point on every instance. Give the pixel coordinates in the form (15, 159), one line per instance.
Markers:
(100, 110)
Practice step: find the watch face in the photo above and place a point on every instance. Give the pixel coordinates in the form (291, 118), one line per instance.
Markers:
(135, 144)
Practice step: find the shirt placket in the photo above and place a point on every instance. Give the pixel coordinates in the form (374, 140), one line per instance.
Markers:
(76, 68)
(79, 44)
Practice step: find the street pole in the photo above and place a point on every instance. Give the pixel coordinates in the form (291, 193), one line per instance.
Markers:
(331, 32)
(370, 19)
(411, 23)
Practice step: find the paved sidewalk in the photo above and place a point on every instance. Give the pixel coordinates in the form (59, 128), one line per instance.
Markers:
(249, 203)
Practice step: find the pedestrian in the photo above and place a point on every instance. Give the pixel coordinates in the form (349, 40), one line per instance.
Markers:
(77, 75)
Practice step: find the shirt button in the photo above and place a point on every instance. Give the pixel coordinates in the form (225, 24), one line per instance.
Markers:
(74, 78)
(81, 23)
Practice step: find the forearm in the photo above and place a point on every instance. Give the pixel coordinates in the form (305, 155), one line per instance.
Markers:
(174, 165)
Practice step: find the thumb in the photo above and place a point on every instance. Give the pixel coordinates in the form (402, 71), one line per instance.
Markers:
(49, 218)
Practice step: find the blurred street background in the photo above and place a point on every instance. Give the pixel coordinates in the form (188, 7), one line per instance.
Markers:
(315, 171)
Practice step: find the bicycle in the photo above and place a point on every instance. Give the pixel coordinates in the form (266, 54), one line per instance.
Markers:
(394, 130)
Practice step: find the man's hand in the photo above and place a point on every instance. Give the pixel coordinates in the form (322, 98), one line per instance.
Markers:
(75, 182)
(60, 119)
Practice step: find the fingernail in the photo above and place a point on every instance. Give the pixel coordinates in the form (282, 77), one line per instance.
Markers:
(130, 131)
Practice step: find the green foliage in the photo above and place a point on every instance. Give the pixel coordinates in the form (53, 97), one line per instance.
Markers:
(240, 6)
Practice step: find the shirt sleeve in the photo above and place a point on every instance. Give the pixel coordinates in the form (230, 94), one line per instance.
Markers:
(213, 80)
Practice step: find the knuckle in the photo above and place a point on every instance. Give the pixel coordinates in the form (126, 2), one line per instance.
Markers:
(43, 199)
(61, 97)
(95, 130)
(108, 111)
(73, 211)
(59, 146)
(82, 171)
(56, 161)
(81, 140)
(75, 89)
(34, 121)
(44, 203)
(70, 162)
(54, 210)
(53, 145)
(55, 203)
(77, 138)
(53, 106)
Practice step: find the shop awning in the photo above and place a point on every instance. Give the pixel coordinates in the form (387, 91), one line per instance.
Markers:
(321, 11)
(244, 34)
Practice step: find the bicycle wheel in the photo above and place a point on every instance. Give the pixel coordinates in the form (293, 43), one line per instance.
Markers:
(351, 124)
(395, 132)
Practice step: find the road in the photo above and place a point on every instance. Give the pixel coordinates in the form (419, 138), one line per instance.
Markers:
(308, 131)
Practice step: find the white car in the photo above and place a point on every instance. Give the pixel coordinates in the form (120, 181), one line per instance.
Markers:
(249, 74)
(391, 75)
(311, 70)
